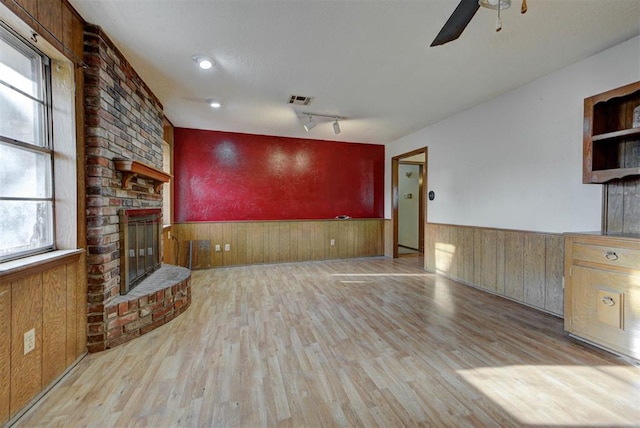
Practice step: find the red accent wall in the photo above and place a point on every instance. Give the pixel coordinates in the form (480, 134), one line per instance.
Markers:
(225, 176)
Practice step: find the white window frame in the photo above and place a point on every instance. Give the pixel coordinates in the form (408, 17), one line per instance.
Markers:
(45, 146)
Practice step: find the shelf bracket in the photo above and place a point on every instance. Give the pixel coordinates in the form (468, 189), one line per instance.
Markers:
(130, 169)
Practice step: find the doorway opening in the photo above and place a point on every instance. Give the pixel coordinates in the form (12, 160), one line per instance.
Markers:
(409, 184)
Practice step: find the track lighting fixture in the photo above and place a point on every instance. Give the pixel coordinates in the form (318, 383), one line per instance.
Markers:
(203, 61)
(311, 123)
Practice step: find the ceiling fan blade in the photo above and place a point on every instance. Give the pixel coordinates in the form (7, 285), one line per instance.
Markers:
(457, 22)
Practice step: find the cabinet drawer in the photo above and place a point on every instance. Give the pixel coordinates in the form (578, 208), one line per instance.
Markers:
(604, 255)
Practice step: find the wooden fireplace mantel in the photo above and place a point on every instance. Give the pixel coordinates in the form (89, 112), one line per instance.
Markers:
(131, 168)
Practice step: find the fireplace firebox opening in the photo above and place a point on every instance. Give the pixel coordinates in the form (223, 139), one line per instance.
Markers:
(140, 231)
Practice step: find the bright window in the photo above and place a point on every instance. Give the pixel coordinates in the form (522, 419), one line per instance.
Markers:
(26, 150)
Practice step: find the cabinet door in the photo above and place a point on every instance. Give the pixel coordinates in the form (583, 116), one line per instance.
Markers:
(606, 309)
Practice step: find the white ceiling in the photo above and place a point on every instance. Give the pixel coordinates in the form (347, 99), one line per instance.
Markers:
(367, 60)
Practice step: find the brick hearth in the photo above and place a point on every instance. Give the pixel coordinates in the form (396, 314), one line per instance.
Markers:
(158, 299)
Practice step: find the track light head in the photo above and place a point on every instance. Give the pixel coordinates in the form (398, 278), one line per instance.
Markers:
(310, 124)
(336, 127)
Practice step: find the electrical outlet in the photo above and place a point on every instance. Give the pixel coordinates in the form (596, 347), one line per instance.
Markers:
(29, 341)
(227, 247)
(217, 248)
(333, 242)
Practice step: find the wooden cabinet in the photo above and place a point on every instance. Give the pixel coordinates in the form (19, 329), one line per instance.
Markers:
(611, 140)
(602, 290)
(602, 270)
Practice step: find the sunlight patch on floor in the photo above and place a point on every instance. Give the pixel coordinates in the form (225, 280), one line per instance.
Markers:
(382, 274)
(530, 394)
(356, 282)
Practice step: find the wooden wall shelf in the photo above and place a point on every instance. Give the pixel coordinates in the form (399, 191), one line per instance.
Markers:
(131, 168)
(611, 139)
(616, 135)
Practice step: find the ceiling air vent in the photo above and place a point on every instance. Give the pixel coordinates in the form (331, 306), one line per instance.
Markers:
(299, 100)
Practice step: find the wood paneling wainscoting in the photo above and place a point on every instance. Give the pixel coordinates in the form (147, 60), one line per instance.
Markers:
(274, 241)
(523, 266)
(388, 238)
(50, 297)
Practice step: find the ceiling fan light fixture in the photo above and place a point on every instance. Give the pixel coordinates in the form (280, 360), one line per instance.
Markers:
(494, 4)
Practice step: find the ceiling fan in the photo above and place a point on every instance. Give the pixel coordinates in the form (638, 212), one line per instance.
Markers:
(461, 17)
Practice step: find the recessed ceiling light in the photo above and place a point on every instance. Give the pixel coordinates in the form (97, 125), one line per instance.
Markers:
(203, 61)
(214, 103)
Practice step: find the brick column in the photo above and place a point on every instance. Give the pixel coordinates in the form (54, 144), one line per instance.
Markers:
(123, 119)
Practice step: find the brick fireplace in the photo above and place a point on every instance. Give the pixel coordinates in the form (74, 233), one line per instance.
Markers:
(124, 120)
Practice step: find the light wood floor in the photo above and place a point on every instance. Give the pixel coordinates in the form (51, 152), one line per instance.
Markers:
(364, 342)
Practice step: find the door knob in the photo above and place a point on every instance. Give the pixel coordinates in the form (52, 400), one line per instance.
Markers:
(607, 300)
(610, 255)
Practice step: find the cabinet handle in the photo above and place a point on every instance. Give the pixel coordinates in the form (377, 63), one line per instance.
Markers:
(610, 255)
(608, 301)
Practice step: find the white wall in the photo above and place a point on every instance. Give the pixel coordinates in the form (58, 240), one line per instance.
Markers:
(515, 162)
